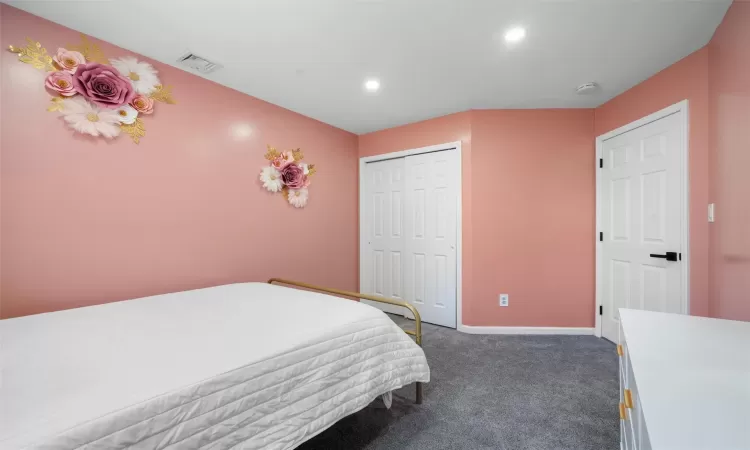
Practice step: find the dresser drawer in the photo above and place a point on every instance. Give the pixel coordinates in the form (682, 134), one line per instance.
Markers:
(631, 426)
(622, 351)
(631, 399)
(624, 439)
(629, 433)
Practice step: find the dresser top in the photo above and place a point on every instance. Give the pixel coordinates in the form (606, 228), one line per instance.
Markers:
(693, 379)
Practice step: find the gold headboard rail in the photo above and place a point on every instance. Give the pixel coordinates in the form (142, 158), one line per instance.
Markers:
(417, 333)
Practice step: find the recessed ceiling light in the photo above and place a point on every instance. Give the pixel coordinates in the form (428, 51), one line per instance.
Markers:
(515, 34)
(372, 85)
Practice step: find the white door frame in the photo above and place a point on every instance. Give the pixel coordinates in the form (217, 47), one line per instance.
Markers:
(678, 108)
(459, 212)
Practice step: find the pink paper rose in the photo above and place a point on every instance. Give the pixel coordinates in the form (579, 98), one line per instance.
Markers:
(68, 60)
(103, 85)
(293, 176)
(283, 160)
(61, 82)
(143, 104)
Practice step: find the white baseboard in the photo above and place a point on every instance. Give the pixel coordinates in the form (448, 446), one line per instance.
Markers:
(578, 331)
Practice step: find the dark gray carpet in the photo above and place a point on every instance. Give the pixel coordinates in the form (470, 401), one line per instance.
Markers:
(496, 392)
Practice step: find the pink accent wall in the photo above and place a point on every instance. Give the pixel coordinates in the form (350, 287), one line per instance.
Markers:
(513, 161)
(87, 221)
(686, 79)
(533, 193)
(729, 89)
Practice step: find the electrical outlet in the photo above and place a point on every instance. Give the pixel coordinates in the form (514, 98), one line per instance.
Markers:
(711, 212)
(504, 300)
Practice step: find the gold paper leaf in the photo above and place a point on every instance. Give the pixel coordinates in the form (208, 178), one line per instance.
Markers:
(297, 154)
(271, 154)
(90, 51)
(163, 94)
(34, 54)
(56, 105)
(285, 193)
(136, 130)
(311, 170)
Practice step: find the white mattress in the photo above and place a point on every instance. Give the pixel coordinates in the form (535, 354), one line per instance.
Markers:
(244, 365)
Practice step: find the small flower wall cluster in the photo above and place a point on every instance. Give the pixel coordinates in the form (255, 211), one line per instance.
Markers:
(287, 174)
(96, 95)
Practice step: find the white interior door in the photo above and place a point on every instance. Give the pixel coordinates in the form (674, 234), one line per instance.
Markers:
(409, 228)
(641, 215)
(384, 228)
(432, 184)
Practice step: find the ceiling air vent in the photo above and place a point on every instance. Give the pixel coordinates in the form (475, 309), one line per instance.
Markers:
(198, 63)
(587, 88)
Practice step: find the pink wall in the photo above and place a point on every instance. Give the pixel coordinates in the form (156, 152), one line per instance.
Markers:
(686, 79)
(533, 193)
(512, 162)
(86, 221)
(729, 88)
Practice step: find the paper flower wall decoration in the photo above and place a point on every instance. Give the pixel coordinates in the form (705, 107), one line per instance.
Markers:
(286, 173)
(97, 96)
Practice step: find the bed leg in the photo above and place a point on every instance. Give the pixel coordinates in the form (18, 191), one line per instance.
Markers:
(419, 393)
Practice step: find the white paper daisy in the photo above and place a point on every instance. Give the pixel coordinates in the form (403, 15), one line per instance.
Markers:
(127, 114)
(271, 179)
(86, 118)
(298, 197)
(142, 75)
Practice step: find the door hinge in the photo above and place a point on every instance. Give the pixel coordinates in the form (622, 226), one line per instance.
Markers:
(601, 236)
(679, 255)
(601, 163)
(601, 310)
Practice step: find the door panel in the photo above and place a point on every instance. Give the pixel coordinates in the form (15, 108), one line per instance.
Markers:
(378, 278)
(383, 226)
(641, 214)
(432, 184)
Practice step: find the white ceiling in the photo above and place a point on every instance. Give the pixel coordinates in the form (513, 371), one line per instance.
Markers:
(433, 57)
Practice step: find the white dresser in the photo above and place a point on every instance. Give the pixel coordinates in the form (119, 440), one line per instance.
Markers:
(684, 382)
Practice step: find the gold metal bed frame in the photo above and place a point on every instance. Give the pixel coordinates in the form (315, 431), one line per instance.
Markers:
(417, 333)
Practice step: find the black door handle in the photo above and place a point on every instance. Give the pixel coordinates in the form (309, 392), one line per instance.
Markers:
(669, 256)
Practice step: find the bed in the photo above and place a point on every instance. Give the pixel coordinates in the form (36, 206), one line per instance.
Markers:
(249, 365)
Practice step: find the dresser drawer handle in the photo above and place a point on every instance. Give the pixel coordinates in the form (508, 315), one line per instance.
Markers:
(619, 349)
(622, 412)
(628, 398)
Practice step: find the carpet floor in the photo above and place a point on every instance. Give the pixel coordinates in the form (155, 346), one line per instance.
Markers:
(495, 392)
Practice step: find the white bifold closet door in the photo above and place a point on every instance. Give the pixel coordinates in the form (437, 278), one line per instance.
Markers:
(410, 217)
